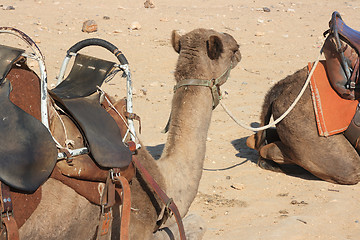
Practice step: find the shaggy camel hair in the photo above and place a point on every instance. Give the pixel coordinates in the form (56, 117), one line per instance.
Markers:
(63, 214)
(296, 139)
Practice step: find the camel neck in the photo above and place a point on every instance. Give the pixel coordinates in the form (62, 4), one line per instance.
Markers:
(184, 152)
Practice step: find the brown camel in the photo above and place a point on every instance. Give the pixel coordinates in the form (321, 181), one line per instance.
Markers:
(63, 214)
(295, 139)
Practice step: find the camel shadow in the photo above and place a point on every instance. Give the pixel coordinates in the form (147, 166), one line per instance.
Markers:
(252, 155)
(156, 151)
(249, 155)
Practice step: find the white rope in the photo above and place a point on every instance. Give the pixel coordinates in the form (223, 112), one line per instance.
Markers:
(285, 113)
(67, 140)
(116, 111)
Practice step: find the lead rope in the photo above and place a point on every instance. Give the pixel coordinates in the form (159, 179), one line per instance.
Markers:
(285, 113)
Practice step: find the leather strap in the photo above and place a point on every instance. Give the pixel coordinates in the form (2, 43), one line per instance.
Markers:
(7, 217)
(125, 206)
(108, 201)
(163, 197)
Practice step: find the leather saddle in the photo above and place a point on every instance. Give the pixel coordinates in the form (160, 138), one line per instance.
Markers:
(77, 95)
(27, 151)
(341, 50)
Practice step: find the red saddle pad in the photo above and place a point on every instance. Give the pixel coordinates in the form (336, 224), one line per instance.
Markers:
(333, 113)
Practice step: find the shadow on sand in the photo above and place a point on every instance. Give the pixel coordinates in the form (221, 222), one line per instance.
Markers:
(252, 155)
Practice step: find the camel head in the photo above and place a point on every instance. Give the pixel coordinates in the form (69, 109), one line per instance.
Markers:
(205, 54)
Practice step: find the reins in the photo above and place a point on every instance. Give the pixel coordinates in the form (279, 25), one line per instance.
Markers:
(285, 113)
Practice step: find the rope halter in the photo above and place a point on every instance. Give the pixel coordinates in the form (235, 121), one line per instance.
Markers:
(213, 84)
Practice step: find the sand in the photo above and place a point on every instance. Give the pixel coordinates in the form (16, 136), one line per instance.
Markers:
(237, 199)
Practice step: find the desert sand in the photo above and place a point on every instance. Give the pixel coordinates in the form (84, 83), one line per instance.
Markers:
(236, 198)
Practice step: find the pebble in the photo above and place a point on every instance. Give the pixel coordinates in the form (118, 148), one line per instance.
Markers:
(135, 26)
(89, 26)
(266, 9)
(238, 186)
(259, 34)
(143, 91)
(149, 4)
(106, 17)
(154, 84)
(6, 7)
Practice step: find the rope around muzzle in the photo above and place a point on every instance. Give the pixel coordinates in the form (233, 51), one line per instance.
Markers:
(285, 113)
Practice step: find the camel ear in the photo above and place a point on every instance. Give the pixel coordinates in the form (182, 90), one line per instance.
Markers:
(175, 40)
(214, 47)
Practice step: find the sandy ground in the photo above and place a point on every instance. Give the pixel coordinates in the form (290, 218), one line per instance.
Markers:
(237, 199)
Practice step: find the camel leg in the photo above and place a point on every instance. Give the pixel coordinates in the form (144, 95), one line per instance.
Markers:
(194, 227)
(275, 152)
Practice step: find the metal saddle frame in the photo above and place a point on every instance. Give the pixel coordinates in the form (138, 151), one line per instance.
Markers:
(77, 94)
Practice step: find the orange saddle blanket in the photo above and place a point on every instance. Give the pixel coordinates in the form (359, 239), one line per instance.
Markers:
(333, 113)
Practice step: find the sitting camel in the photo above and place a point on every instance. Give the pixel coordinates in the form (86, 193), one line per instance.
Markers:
(205, 60)
(296, 139)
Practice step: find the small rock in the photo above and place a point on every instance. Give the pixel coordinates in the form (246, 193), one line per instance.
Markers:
(149, 4)
(266, 9)
(238, 186)
(5, 7)
(143, 91)
(154, 84)
(164, 20)
(135, 26)
(89, 26)
(290, 10)
(284, 211)
(259, 34)
(117, 31)
(228, 177)
(106, 17)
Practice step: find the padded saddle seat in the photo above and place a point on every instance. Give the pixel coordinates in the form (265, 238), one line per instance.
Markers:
(78, 97)
(27, 151)
(350, 35)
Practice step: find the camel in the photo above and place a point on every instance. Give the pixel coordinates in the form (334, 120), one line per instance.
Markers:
(64, 214)
(296, 140)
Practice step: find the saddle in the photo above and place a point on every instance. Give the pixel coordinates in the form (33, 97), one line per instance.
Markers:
(29, 155)
(341, 50)
(77, 95)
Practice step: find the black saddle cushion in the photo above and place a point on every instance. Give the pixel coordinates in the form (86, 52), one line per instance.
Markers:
(27, 151)
(86, 74)
(100, 129)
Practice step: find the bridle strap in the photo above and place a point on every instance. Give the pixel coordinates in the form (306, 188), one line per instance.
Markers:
(163, 197)
(213, 84)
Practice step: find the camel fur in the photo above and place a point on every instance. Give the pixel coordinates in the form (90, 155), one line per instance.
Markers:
(295, 139)
(63, 214)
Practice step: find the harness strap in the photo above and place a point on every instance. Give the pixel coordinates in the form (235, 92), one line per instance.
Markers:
(125, 206)
(213, 84)
(163, 197)
(7, 217)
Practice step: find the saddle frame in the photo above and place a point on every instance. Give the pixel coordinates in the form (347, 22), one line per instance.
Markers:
(38, 56)
(123, 66)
